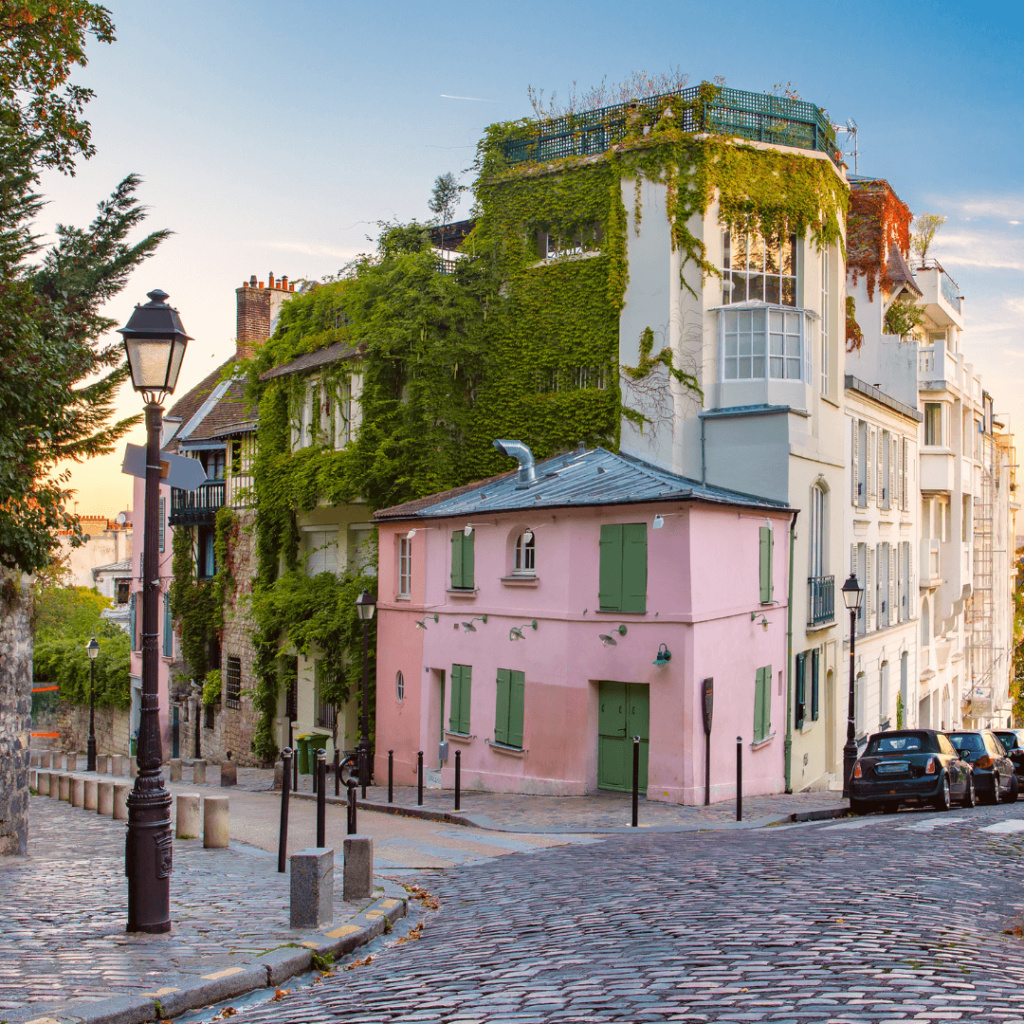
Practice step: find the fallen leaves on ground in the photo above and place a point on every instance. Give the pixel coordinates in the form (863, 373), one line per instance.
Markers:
(415, 933)
(228, 1011)
(1016, 930)
(417, 892)
(359, 963)
(279, 994)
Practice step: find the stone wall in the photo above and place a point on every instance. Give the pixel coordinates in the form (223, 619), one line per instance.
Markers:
(72, 722)
(15, 711)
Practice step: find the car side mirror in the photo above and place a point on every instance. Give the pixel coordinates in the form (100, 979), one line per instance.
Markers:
(964, 755)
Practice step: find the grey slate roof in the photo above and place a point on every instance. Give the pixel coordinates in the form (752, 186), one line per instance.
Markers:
(125, 565)
(310, 361)
(899, 271)
(578, 479)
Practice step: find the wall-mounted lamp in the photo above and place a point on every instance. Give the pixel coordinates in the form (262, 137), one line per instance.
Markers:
(608, 640)
(422, 623)
(659, 519)
(764, 620)
(663, 657)
(469, 627)
(516, 632)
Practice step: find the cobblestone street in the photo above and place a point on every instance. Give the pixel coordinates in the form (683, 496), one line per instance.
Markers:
(880, 918)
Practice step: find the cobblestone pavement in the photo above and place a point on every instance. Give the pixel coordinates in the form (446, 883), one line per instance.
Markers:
(883, 918)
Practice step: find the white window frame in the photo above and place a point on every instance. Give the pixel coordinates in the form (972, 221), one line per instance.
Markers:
(818, 540)
(800, 360)
(524, 561)
(321, 543)
(826, 313)
(404, 567)
(730, 274)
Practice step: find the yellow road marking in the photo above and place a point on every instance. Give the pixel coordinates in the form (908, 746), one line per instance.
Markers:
(345, 929)
(166, 991)
(226, 973)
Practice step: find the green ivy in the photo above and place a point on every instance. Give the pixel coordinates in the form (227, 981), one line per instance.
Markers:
(211, 687)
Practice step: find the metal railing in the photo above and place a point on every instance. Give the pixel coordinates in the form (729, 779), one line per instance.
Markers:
(198, 506)
(821, 599)
(732, 112)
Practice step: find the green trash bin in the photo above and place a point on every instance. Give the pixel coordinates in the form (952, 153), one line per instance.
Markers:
(305, 744)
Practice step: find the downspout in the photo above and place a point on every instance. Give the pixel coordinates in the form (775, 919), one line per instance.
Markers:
(703, 462)
(789, 662)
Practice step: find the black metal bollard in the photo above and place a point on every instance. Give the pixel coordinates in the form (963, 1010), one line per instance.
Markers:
(295, 769)
(316, 773)
(636, 781)
(391, 776)
(364, 770)
(458, 780)
(282, 838)
(739, 778)
(337, 772)
(351, 815)
(321, 798)
(419, 779)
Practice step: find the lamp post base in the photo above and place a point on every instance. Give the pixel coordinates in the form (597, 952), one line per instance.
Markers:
(149, 847)
(849, 759)
(90, 754)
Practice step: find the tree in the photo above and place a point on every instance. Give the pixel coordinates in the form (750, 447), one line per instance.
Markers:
(924, 228)
(58, 378)
(444, 199)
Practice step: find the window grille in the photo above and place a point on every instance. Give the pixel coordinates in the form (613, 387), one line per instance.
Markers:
(233, 684)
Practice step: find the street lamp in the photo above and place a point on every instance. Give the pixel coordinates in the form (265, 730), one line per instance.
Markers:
(366, 604)
(92, 648)
(852, 596)
(154, 341)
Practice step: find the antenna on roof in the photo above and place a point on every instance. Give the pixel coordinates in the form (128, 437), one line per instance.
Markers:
(850, 128)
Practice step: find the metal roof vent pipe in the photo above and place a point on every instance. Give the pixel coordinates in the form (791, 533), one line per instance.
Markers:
(517, 450)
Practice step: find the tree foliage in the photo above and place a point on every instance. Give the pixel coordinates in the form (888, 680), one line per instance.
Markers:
(58, 378)
(925, 227)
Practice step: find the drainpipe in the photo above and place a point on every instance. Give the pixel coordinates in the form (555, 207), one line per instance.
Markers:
(703, 461)
(789, 662)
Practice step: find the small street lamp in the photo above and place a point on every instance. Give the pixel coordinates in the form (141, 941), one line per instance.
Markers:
(92, 648)
(853, 594)
(155, 342)
(366, 604)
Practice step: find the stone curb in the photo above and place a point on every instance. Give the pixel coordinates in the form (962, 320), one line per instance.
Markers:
(402, 810)
(178, 994)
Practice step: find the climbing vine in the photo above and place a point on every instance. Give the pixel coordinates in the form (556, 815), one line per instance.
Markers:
(854, 334)
(878, 222)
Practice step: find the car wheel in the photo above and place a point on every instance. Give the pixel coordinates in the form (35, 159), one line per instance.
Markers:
(1011, 796)
(943, 801)
(859, 806)
(970, 797)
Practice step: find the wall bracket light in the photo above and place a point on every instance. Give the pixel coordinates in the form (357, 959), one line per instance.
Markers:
(469, 627)
(764, 620)
(663, 657)
(608, 640)
(422, 623)
(516, 632)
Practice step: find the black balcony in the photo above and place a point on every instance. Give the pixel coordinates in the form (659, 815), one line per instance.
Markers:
(198, 507)
(821, 600)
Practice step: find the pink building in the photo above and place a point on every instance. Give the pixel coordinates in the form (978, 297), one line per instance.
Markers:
(539, 620)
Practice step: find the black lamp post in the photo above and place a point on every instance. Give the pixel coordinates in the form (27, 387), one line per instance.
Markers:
(852, 596)
(366, 604)
(155, 341)
(92, 648)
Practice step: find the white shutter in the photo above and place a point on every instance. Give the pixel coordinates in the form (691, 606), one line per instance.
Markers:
(880, 467)
(853, 559)
(893, 615)
(871, 463)
(900, 588)
(808, 350)
(867, 589)
(854, 475)
(911, 589)
(894, 458)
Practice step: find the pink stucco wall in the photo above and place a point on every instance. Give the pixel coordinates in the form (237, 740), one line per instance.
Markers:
(703, 585)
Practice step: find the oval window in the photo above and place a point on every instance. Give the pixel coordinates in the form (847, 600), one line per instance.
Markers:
(400, 686)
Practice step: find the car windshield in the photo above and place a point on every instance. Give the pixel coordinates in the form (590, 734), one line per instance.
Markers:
(967, 741)
(897, 743)
(1008, 739)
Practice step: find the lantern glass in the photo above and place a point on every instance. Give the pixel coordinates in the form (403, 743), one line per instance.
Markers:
(155, 361)
(852, 594)
(365, 606)
(92, 649)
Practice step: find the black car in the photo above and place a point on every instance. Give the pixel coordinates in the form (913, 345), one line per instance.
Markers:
(1013, 741)
(995, 776)
(916, 766)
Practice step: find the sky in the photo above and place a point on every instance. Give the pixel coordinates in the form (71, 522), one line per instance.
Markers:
(275, 137)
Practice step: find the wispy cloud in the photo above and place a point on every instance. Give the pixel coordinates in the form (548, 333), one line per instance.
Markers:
(473, 99)
(1005, 208)
(987, 249)
(305, 249)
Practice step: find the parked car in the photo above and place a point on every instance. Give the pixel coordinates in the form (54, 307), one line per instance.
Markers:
(1013, 741)
(918, 766)
(995, 776)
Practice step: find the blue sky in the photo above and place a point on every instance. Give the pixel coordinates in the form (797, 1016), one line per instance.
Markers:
(274, 137)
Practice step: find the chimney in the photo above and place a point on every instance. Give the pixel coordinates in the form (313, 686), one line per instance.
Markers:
(257, 309)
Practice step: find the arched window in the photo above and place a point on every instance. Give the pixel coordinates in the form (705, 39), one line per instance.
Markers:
(400, 686)
(525, 561)
(819, 563)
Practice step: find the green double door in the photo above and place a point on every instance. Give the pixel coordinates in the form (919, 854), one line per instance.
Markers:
(624, 713)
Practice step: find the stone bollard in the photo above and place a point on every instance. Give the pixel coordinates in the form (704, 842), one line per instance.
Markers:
(91, 794)
(72, 761)
(228, 772)
(198, 772)
(121, 790)
(33, 779)
(187, 815)
(312, 888)
(43, 783)
(33, 758)
(64, 786)
(46, 760)
(358, 853)
(116, 764)
(174, 770)
(101, 764)
(77, 792)
(216, 824)
(105, 799)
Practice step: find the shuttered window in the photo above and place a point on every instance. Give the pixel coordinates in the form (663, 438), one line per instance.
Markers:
(767, 545)
(168, 628)
(163, 524)
(460, 686)
(132, 619)
(508, 710)
(815, 683)
(801, 688)
(623, 567)
(763, 704)
(462, 561)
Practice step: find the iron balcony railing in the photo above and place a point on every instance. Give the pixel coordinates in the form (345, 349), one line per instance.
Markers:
(732, 112)
(821, 600)
(198, 507)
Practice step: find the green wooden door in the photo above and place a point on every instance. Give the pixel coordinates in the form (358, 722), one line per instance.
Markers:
(624, 713)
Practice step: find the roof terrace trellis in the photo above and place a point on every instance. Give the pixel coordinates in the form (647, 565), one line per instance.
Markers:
(732, 112)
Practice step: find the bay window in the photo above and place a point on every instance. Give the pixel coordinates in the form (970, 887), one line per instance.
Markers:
(759, 267)
(765, 343)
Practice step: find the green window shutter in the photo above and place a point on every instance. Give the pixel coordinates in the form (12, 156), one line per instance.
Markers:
(515, 708)
(502, 705)
(801, 687)
(468, 560)
(634, 567)
(758, 704)
(466, 681)
(814, 683)
(456, 698)
(767, 544)
(610, 583)
(457, 560)
(766, 703)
